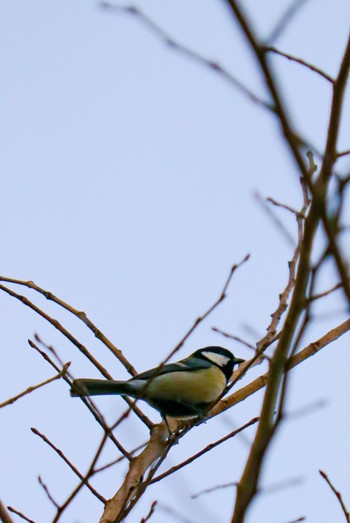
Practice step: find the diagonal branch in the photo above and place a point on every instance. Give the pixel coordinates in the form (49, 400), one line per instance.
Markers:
(338, 495)
(301, 62)
(79, 314)
(35, 387)
(186, 51)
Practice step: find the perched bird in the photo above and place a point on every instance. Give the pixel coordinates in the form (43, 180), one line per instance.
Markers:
(185, 389)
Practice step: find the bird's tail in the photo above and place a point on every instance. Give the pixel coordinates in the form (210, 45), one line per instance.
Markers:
(90, 387)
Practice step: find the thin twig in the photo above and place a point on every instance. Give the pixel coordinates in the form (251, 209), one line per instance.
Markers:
(292, 265)
(60, 328)
(314, 297)
(343, 153)
(301, 62)
(285, 20)
(214, 489)
(186, 51)
(266, 490)
(63, 507)
(35, 387)
(282, 206)
(200, 319)
(235, 338)
(20, 514)
(338, 495)
(151, 511)
(274, 218)
(118, 460)
(4, 515)
(79, 314)
(203, 451)
(46, 490)
(88, 403)
(260, 382)
(69, 463)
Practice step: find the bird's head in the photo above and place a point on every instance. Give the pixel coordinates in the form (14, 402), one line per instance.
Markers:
(222, 358)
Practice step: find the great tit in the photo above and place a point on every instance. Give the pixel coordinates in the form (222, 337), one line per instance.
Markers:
(185, 389)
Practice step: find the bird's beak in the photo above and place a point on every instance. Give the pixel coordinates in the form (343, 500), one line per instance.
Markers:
(238, 361)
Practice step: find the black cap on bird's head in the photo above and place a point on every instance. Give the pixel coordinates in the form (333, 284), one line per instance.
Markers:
(222, 358)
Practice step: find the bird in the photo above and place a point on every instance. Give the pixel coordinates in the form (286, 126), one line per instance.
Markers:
(181, 390)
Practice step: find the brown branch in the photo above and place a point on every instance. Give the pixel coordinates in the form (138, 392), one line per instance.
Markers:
(35, 387)
(62, 508)
(47, 492)
(276, 316)
(274, 218)
(151, 511)
(156, 447)
(233, 337)
(80, 315)
(282, 206)
(204, 451)
(260, 382)
(315, 297)
(4, 515)
(343, 153)
(70, 464)
(118, 460)
(338, 495)
(88, 403)
(301, 62)
(319, 191)
(75, 342)
(60, 328)
(186, 51)
(20, 514)
(201, 318)
(247, 487)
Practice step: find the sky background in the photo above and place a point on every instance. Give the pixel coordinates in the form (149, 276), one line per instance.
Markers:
(128, 175)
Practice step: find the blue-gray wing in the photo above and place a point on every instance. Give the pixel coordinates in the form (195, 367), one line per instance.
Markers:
(188, 364)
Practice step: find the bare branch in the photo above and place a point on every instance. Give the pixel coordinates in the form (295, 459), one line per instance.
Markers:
(301, 62)
(275, 219)
(87, 402)
(260, 382)
(204, 451)
(46, 490)
(63, 507)
(80, 315)
(343, 153)
(35, 387)
(235, 338)
(70, 464)
(315, 297)
(217, 302)
(285, 19)
(20, 514)
(214, 489)
(338, 495)
(4, 515)
(60, 328)
(117, 507)
(186, 51)
(151, 511)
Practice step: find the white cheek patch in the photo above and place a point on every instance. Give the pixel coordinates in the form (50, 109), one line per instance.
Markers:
(219, 359)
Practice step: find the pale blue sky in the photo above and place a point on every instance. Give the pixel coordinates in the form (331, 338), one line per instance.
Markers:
(127, 182)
